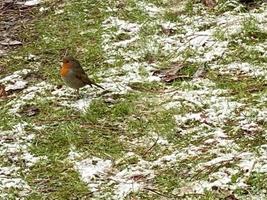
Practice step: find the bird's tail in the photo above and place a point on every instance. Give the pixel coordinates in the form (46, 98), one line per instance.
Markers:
(98, 86)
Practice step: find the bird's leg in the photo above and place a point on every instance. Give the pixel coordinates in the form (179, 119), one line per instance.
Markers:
(78, 93)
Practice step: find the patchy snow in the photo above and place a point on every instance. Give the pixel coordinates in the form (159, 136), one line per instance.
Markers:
(98, 173)
(28, 95)
(148, 141)
(121, 25)
(131, 179)
(7, 182)
(41, 89)
(217, 50)
(17, 85)
(32, 91)
(218, 109)
(125, 43)
(129, 73)
(14, 147)
(30, 159)
(237, 68)
(208, 118)
(32, 2)
(169, 26)
(43, 9)
(230, 24)
(123, 189)
(93, 170)
(151, 9)
(201, 38)
(73, 154)
(80, 104)
(15, 81)
(15, 144)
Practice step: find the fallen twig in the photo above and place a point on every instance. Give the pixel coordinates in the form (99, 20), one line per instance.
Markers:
(149, 149)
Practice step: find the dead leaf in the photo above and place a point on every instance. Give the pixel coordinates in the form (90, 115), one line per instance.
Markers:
(30, 110)
(209, 3)
(137, 177)
(171, 74)
(230, 197)
(2, 92)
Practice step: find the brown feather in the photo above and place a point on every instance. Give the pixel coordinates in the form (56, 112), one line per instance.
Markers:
(81, 75)
(84, 78)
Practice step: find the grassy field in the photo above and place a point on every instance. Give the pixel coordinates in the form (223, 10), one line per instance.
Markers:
(199, 133)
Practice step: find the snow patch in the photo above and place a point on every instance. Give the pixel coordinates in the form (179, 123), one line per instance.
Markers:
(14, 147)
(32, 2)
(93, 170)
(15, 81)
(151, 9)
(240, 69)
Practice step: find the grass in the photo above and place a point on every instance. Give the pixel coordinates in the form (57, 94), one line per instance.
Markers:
(51, 42)
(108, 129)
(58, 181)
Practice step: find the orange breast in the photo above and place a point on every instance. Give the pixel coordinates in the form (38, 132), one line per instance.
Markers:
(65, 69)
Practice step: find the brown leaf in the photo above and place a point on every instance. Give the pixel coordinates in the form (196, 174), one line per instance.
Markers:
(171, 74)
(137, 177)
(30, 110)
(209, 3)
(2, 91)
(230, 197)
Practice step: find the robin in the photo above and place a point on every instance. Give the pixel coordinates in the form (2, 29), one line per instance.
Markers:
(73, 74)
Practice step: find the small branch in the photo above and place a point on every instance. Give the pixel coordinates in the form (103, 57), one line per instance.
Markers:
(158, 193)
(148, 150)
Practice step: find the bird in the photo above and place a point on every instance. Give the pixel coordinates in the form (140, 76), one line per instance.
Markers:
(73, 74)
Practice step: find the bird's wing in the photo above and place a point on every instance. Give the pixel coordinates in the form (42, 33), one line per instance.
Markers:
(83, 76)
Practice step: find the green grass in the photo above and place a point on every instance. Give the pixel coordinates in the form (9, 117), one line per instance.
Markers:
(57, 181)
(106, 129)
(169, 179)
(53, 34)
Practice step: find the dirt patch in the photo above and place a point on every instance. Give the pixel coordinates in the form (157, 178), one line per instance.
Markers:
(14, 18)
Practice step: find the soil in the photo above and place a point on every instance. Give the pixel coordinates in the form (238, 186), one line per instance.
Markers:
(14, 18)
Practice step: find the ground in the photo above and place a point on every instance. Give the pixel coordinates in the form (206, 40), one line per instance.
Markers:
(183, 114)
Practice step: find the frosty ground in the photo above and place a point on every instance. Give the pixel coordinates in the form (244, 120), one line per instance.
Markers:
(200, 135)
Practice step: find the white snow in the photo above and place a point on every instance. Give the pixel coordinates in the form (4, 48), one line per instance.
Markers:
(93, 170)
(207, 116)
(97, 172)
(14, 147)
(32, 2)
(121, 25)
(238, 68)
(15, 81)
(81, 104)
(151, 9)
